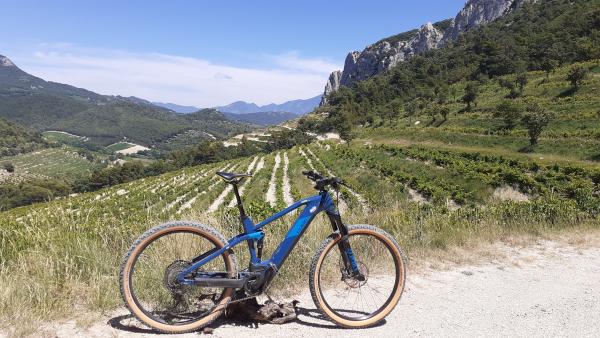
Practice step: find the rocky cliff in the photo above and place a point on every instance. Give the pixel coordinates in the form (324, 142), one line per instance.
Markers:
(388, 52)
(333, 83)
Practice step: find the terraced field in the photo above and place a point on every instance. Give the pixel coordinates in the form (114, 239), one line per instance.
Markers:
(415, 173)
(52, 162)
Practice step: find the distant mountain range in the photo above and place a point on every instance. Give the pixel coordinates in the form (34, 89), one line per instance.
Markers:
(45, 105)
(177, 108)
(252, 113)
(298, 107)
(262, 118)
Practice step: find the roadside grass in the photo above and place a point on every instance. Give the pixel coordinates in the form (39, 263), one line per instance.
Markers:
(55, 267)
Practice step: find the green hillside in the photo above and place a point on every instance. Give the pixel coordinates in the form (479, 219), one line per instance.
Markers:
(146, 125)
(15, 139)
(572, 134)
(544, 39)
(45, 105)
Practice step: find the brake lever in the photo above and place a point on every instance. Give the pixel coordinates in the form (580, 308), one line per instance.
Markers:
(342, 182)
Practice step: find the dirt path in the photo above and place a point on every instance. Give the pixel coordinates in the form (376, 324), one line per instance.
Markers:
(271, 195)
(286, 187)
(548, 289)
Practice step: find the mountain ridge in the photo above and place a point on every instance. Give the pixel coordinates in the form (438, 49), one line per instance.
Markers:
(44, 105)
(298, 106)
(388, 52)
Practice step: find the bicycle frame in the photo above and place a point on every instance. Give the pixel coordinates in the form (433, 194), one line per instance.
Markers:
(253, 233)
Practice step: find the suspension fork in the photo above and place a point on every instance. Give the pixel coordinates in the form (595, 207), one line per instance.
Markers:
(344, 246)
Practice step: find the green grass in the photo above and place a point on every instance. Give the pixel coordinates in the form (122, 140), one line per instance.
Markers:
(61, 137)
(118, 146)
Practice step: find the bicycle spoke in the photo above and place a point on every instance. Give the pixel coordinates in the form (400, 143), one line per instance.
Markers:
(154, 279)
(350, 297)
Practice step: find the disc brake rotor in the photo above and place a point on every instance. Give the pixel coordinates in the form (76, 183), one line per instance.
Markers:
(353, 282)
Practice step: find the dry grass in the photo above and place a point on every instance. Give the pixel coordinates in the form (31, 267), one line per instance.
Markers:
(63, 268)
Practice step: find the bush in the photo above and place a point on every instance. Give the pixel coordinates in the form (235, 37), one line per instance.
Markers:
(510, 113)
(9, 167)
(535, 121)
(19, 194)
(576, 75)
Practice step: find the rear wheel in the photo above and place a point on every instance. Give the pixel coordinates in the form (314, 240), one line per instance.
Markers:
(358, 302)
(149, 284)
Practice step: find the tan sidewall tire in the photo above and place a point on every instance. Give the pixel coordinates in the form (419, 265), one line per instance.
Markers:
(147, 238)
(318, 260)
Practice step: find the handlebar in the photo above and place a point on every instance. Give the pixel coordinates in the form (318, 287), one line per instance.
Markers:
(323, 182)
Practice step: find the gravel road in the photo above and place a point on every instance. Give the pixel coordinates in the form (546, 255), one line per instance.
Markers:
(548, 289)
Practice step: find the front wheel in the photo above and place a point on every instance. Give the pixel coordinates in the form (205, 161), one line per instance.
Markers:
(358, 302)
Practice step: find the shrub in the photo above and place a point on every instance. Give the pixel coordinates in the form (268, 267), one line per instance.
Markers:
(576, 75)
(510, 113)
(9, 167)
(535, 121)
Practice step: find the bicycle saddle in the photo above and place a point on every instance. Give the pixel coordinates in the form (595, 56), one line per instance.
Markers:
(229, 177)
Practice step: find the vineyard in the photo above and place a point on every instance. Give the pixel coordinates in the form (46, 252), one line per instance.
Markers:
(51, 162)
(428, 198)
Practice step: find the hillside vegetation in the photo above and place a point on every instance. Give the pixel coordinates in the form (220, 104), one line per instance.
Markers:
(573, 132)
(45, 105)
(15, 139)
(471, 76)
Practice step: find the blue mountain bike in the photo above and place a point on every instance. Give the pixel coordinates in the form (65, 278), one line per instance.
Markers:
(180, 276)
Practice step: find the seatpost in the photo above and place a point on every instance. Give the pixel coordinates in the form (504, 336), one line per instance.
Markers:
(239, 201)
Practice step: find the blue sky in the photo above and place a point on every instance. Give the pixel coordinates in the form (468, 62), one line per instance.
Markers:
(200, 52)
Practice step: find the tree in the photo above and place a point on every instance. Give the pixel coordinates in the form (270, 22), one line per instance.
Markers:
(9, 167)
(444, 111)
(471, 93)
(510, 113)
(412, 109)
(344, 127)
(548, 66)
(442, 93)
(535, 121)
(576, 75)
(521, 81)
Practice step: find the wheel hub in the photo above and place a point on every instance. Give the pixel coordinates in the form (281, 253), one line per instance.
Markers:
(354, 282)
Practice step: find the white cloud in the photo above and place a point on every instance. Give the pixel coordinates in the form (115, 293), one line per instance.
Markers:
(182, 80)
